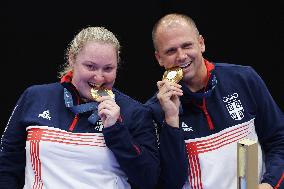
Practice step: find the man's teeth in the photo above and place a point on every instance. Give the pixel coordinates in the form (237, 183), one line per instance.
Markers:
(185, 65)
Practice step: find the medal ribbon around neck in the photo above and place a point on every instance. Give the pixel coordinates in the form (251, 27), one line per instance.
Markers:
(81, 108)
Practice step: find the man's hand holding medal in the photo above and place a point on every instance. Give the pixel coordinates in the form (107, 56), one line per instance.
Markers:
(169, 93)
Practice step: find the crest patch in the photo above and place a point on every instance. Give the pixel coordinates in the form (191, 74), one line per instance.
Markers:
(234, 106)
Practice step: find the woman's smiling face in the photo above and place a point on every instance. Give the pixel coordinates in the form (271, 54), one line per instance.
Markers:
(95, 65)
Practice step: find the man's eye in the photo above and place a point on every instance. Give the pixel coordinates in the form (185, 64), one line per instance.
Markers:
(108, 69)
(187, 46)
(170, 51)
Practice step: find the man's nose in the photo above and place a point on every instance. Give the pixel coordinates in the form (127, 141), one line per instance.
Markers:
(181, 55)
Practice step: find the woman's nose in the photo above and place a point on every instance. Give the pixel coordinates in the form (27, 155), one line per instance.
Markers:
(98, 76)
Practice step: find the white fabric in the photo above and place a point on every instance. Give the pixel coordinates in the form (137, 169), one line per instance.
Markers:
(58, 159)
(214, 165)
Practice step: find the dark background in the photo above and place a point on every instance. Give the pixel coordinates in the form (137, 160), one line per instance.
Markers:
(34, 36)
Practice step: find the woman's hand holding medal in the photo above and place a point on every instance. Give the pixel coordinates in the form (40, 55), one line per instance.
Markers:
(108, 110)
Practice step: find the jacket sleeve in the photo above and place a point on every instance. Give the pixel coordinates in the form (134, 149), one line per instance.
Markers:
(135, 147)
(12, 153)
(173, 156)
(174, 166)
(270, 129)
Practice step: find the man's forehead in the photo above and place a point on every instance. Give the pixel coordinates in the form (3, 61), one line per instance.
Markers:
(172, 22)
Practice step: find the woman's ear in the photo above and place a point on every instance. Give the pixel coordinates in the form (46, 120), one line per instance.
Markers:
(70, 60)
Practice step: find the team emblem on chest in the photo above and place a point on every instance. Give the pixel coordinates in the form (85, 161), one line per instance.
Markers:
(99, 125)
(185, 127)
(234, 106)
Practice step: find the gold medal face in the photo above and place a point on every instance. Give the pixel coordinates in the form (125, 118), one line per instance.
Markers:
(173, 74)
(98, 92)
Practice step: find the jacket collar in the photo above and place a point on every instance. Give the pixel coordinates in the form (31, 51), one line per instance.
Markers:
(205, 92)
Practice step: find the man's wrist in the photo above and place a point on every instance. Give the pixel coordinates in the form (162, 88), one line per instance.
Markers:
(172, 121)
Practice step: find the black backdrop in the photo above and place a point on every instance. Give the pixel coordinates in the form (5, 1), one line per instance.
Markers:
(34, 36)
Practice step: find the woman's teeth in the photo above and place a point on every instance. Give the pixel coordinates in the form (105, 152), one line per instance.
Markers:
(95, 85)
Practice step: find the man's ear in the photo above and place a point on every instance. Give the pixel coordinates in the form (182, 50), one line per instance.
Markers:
(158, 57)
(201, 43)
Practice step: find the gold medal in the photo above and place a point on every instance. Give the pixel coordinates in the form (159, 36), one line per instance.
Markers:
(98, 92)
(173, 74)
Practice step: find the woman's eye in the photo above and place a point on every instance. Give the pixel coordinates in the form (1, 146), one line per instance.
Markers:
(90, 67)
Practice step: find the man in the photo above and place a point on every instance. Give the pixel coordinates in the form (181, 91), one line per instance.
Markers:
(201, 119)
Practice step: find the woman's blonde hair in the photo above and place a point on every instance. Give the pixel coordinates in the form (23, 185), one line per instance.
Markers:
(99, 34)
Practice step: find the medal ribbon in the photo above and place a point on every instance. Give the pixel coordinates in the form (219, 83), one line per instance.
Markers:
(81, 108)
